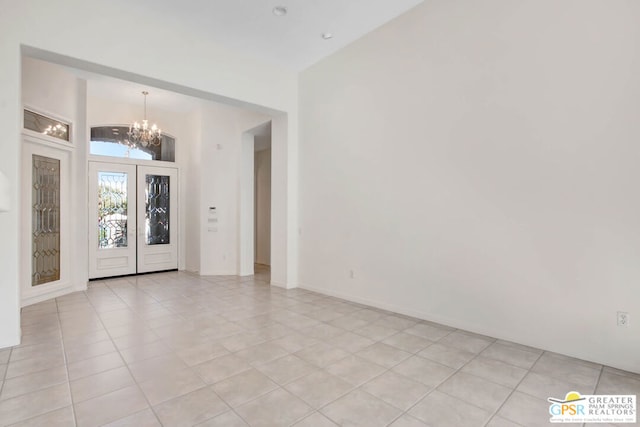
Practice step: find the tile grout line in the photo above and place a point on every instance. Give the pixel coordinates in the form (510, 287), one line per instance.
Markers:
(249, 295)
(66, 364)
(514, 390)
(414, 353)
(64, 355)
(359, 386)
(319, 368)
(160, 338)
(279, 386)
(4, 376)
(406, 411)
(599, 377)
(210, 386)
(458, 370)
(123, 360)
(382, 373)
(434, 388)
(595, 388)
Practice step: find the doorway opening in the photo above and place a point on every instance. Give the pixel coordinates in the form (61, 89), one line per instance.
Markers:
(262, 201)
(90, 94)
(255, 202)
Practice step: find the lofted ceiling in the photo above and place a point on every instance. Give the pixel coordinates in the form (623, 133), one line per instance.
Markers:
(293, 41)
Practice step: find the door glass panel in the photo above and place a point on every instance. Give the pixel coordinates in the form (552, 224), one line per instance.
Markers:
(46, 220)
(112, 210)
(157, 210)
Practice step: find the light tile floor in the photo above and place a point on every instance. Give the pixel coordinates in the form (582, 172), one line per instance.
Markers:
(175, 349)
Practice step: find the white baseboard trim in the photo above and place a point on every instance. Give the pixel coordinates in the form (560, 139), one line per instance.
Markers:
(8, 344)
(282, 285)
(451, 323)
(218, 273)
(383, 306)
(50, 295)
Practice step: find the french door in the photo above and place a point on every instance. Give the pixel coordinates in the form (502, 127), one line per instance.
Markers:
(133, 219)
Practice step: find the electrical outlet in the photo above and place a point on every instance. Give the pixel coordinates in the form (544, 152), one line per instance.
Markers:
(623, 318)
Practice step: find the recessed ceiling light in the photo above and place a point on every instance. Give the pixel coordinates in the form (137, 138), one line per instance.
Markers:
(327, 36)
(280, 10)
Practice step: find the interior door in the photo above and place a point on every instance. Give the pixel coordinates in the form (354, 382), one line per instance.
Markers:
(112, 220)
(157, 219)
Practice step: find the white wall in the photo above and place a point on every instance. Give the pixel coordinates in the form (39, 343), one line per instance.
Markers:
(191, 194)
(476, 164)
(221, 169)
(73, 33)
(284, 219)
(219, 190)
(52, 90)
(246, 205)
(263, 206)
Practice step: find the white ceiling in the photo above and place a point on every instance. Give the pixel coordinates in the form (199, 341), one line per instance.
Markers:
(293, 41)
(127, 92)
(249, 26)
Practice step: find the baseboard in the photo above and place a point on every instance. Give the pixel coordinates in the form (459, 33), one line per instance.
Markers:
(12, 343)
(50, 295)
(451, 323)
(218, 273)
(386, 306)
(281, 285)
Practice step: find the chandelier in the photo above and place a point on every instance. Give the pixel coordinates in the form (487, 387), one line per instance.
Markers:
(57, 131)
(140, 134)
